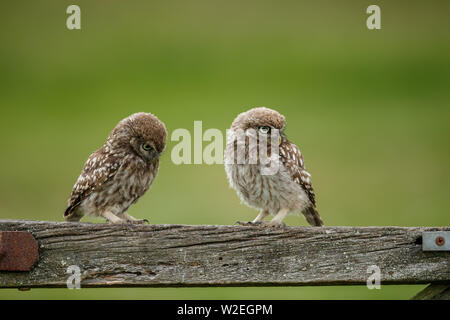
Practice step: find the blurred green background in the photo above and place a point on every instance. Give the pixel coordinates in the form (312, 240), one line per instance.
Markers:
(369, 110)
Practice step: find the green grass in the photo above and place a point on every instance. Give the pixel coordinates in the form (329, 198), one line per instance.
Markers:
(369, 110)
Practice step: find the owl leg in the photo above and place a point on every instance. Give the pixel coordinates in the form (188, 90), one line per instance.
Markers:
(257, 221)
(277, 221)
(260, 217)
(132, 219)
(112, 218)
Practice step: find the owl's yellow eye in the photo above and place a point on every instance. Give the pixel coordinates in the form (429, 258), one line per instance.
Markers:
(264, 129)
(146, 147)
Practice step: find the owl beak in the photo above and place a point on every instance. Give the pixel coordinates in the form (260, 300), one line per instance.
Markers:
(154, 154)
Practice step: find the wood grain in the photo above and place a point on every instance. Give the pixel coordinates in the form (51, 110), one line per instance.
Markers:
(434, 292)
(183, 256)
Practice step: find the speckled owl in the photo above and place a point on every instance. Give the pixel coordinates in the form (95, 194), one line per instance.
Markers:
(120, 172)
(288, 189)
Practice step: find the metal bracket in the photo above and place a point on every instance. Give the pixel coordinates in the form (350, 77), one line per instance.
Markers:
(18, 251)
(436, 241)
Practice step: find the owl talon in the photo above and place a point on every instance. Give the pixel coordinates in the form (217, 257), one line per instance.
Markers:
(140, 221)
(274, 225)
(118, 221)
(247, 224)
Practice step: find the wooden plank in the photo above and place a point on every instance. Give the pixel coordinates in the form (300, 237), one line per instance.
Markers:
(181, 256)
(434, 292)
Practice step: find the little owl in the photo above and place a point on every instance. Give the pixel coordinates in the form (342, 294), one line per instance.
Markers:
(285, 190)
(120, 172)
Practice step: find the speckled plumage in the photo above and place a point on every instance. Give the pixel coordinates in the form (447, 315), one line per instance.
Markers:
(120, 172)
(288, 190)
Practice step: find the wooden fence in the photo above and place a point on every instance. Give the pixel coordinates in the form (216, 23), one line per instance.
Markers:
(209, 255)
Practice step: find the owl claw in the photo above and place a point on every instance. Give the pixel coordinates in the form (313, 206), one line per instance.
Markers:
(141, 221)
(247, 224)
(274, 225)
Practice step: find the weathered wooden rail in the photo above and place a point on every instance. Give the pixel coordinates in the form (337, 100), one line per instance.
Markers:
(193, 256)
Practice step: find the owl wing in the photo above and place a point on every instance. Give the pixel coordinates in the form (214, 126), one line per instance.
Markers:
(292, 159)
(99, 168)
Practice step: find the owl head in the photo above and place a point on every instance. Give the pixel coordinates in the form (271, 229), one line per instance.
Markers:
(141, 133)
(262, 120)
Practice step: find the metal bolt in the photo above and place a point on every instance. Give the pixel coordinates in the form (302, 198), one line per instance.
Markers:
(440, 241)
(18, 251)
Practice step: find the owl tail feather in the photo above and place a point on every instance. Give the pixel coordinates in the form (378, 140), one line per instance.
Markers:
(312, 216)
(71, 213)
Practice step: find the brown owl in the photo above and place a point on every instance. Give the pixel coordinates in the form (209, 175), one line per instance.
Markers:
(120, 172)
(285, 190)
